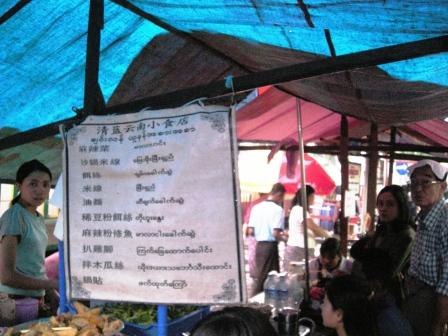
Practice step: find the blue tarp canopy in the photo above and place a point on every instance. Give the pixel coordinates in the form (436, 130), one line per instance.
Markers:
(153, 47)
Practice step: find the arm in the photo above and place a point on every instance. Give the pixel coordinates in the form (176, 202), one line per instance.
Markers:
(317, 230)
(277, 225)
(8, 274)
(441, 316)
(279, 235)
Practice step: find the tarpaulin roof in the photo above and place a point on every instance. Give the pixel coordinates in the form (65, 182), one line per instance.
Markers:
(153, 47)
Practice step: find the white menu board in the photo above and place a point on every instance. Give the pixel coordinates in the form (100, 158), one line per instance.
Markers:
(152, 208)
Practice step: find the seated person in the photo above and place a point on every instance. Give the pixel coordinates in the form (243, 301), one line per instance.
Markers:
(347, 308)
(377, 267)
(234, 321)
(329, 264)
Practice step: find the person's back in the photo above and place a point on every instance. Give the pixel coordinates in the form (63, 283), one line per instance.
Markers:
(263, 219)
(266, 224)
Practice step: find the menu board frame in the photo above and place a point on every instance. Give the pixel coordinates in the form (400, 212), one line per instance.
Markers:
(219, 119)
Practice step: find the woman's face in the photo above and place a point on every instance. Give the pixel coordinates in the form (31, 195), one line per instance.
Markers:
(332, 318)
(310, 200)
(34, 189)
(387, 207)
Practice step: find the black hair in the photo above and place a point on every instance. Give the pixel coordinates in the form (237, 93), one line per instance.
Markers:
(235, 321)
(404, 219)
(352, 295)
(278, 188)
(297, 199)
(26, 169)
(331, 247)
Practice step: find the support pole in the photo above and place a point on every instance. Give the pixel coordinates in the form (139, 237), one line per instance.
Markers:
(343, 159)
(372, 173)
(393, 134)
(162, 313)
(92, 91)
(61, 276)
(304, 198)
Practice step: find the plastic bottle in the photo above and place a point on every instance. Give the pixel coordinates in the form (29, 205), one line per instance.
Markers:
(282, 291)
(270, 289)
(296, 289)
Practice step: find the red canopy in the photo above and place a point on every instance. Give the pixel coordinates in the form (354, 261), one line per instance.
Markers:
(316, 176)
(272, 116)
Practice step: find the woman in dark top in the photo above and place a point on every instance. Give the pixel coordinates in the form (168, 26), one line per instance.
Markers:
(394, 233)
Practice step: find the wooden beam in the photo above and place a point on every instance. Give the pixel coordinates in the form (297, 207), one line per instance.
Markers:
(414, 157)
(289, 73)
(93, 98)
(275, 76)
(36, 134)
(13, 10)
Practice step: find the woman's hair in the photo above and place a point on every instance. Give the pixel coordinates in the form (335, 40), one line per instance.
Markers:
(297, 199)
(234, 321)
(352, 295)
(404, 219)
(26, 169)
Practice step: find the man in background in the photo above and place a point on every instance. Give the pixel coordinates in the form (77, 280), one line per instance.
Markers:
(266, 223)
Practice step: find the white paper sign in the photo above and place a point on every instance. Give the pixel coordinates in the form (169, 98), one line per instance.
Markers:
(152, 208)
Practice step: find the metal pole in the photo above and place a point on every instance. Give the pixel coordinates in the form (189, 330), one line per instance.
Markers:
(304, 199)
(61, 273)
(162, 312)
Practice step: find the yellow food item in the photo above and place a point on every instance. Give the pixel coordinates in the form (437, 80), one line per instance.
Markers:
(87, 322)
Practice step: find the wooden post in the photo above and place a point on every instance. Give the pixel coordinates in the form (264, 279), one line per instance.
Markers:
(92, 92)
(343, 159)
(372, 173)
(393, 133)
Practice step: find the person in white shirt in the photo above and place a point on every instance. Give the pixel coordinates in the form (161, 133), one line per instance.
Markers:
(295, 248)
(266, 223)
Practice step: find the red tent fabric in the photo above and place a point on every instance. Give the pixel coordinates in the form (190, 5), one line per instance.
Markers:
(436, 130)
(272, 116)
(315, 175)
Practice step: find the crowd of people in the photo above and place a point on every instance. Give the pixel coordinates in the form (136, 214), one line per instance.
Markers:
(394, 283)
(396, 279)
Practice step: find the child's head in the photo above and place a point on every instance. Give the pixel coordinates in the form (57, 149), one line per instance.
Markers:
(33, 179)
(235, 321)
(347, 306)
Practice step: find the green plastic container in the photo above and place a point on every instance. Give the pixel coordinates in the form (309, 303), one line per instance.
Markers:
(174, 328)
